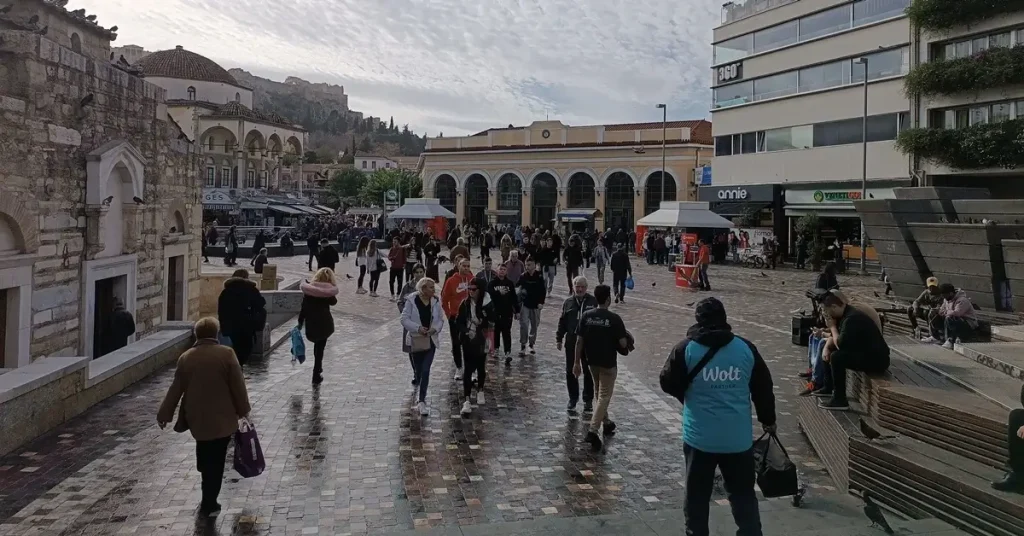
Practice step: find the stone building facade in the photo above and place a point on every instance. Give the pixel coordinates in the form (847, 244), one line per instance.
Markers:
(99, 195)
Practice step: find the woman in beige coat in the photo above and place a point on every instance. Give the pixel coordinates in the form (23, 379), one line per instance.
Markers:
(210, 386)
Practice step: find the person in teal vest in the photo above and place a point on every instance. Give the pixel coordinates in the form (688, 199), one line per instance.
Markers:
(716, 415)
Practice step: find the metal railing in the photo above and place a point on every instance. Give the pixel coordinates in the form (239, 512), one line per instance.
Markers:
(741, 9)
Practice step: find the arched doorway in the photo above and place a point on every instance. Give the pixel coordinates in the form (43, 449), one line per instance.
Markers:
(445, 191)
(581, 191)
(510, 198)
(476, 199)
(544, 200)
(653, 195)
(619, 193)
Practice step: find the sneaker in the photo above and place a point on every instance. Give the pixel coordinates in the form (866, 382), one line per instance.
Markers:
(522, 351)
(571, 406)
(392, 298)
(834, 405)
(467, 408)
(508, 359)
(373, 294)
(588, 407)
(1011, 482)
(294, 361)
(595, 442)
(609, 428)
(930, 340)
(422, 408)
(415, 382)
(480, 400)
(616, 299)
(822, 393)
(532, 351)
(360, 291)
(622, 299)
(809, 390)
(458, 373)
(209, 511)
(948, 344)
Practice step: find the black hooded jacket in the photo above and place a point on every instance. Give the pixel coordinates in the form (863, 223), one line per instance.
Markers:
(503, 297)
(241, 308)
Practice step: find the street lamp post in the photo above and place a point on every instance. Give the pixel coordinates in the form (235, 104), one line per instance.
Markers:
(864, 166)
(664, 142)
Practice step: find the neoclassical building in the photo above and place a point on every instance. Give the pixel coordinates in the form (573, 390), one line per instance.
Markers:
(527, 175)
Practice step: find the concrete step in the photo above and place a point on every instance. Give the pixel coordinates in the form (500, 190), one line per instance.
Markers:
(971, 375)
(1013, 333)
(1005, 357)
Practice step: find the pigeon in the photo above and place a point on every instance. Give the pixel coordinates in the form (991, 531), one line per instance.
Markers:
(33, 19)
(91, 18)
(654, 284)
(348, 276)
(764, 274)
(113, 29)
(138, 200)
(782, 282)
(876, 293)
(868, 431)
(106, 202)
(874, 513)
(691, 304)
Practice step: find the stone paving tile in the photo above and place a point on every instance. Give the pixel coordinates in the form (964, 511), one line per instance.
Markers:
(352, 458)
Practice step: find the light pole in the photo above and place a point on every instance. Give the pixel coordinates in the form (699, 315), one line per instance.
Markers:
(864, 166)
(664, 142)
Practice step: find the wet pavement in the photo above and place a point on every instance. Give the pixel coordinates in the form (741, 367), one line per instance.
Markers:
(352, 457)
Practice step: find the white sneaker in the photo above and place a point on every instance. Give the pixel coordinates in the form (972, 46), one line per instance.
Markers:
(467, 408)
(360, 291)
(422, 407)
(930, 340)
(458, 373)
(948, 344)
(480, 400)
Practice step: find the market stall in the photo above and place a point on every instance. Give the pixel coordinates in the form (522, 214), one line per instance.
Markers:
(429, 211)
(689, 219)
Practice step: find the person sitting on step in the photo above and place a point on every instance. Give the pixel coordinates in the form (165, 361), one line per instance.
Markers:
(820, 338)
(926, 307)
(958, 316)
(1014, 479)
(856, 344)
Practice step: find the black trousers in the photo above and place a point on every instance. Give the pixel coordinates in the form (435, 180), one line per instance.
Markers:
(318, 358)
(1015, 443)
(395, 279)
(571, 381)
(619, 285)
(374, 280)
(456, 348)
(476, 361)
(840, 361)
(362, 274)
(210, 456)
(503, 333)
(312, 255)
(242, 344)
(738, 474)
(570, 273)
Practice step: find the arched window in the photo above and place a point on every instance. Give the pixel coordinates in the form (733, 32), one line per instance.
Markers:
(212, 142)
(191, 93)
(76, 43)
(238, 97)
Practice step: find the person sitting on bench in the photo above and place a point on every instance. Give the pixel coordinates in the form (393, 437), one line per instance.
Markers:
(856, 344)
(926, 307)
(820, 338)
(957, 312)
(1014, 479)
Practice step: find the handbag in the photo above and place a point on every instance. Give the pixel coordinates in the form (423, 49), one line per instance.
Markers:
(776, 473)
(381, 265)
(629, 282)
(249, 460)
(298, 345)
(419, 342)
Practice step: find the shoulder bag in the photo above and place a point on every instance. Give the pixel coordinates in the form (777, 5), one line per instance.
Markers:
(669, 382)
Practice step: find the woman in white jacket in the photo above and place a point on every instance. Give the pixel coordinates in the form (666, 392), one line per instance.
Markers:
(423, 319)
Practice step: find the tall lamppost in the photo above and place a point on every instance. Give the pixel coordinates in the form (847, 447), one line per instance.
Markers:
(664, 142)
(864, 166)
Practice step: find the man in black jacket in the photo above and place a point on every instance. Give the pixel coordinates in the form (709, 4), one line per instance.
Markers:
(1014, 479)
(532, 291)
(859, 346)
(242, 312)
(621, 269)
(313, 244)
(328, 256)
(506, 308)
(572, 311)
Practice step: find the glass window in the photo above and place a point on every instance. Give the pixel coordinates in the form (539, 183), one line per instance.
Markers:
(883, 64)
(979, 44)
(869, 11)
(760, 141)
(785, 139)
(1000, 112)
(723, 145)
(748, 143)
(824, 76)
(963, 49)
(962, 118)
(1020, 37)
(364, 164)
(775, 37)
(778, 85)
(903, 120)
(250, 180)
(948, 52)
(1019, 109)
(225, 176)
(734, 49)
(210, 174)
(979, 115)
(734, 94)
(837, 132)
(825, 23)
(882, 127)
(998, 40)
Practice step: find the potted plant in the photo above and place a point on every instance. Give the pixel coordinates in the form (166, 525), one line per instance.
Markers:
(809, 226)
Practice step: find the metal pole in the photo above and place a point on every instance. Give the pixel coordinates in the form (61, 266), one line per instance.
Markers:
(864, 172)
(664, 144)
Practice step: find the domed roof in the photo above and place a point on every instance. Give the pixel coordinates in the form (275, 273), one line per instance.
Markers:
(180, 63)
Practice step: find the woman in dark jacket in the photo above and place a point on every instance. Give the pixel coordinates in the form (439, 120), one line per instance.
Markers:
(317, 298)
(476, 316)
(242, 312)
(230, 247)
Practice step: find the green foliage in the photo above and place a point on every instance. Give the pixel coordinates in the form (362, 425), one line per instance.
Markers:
(311, 158)
(326, 155)
(405, 182)
(289, 160)
(989, 69)
(346, 185)
(942, 15)
(809, 226)
(993, 145)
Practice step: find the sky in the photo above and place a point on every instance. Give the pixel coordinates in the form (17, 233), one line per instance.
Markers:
(453, 66)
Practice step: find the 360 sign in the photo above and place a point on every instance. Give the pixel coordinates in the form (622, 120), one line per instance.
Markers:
(730, 72)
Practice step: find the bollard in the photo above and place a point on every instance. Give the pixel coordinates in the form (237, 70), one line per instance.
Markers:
(269, 277)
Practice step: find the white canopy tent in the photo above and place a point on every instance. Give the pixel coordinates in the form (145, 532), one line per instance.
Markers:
(685, 214)
(421, 209)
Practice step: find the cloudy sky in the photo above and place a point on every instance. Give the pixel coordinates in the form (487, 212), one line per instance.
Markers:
(453, 65)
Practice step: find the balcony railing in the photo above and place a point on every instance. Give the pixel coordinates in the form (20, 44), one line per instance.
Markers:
(741, 9)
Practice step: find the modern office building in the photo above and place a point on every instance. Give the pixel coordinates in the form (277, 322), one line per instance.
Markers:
(788, 83)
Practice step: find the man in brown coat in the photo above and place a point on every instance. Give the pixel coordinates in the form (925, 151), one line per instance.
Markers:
(210, 386)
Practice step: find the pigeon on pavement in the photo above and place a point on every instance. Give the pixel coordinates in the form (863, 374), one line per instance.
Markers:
(874, 513)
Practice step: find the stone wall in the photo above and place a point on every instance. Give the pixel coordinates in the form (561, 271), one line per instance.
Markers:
(56, 108)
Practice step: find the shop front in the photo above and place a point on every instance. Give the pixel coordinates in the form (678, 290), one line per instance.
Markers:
(755, 205)
(834, 207)
(219, 206)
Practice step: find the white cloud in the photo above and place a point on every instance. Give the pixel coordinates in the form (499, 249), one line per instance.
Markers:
(453, 65)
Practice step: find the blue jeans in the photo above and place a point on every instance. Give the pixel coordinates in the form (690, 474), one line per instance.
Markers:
(702, 277)
(815, 346)
(421, 365)
(957, 328)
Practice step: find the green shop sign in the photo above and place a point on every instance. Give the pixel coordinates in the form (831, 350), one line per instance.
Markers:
(835, 197)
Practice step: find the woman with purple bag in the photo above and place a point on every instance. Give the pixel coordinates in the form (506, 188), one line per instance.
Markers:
(209, 383)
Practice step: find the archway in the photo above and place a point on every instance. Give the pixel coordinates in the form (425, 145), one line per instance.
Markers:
(619, 193)
(581, 191)
(654, 195)
(510, 197)
(445, 190)
(119, 192)
(218, 140)
(274, 145)
(293, 146)
(543, 200)
(476, 199)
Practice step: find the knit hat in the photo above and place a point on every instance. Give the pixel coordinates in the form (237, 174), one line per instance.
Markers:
(711, 313)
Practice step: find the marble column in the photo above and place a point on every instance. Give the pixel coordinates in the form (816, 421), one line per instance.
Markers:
(527, 208)
(460, 206)
(240, 163)
(599, 204)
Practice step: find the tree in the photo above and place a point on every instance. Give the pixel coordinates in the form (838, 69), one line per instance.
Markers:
(365, 145)
(391, 126)
(310, 158)
(326, 155)
(353, 151)
(809, 226)
(405, 182)
(345, 186)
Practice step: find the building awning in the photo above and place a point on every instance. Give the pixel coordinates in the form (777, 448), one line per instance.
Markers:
(249, 205)
(837, 210)
(577, 214)
(421, 209)
(739, 208)
(284, 209)
(328, 210)
(307, 210)
(684, 215)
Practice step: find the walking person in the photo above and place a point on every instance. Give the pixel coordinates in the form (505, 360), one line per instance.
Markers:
(230, 247)
(1013, 481)
(621, 269)
(375, 265)
(396, 255)
(514, 266)
(259, 261)
(313, 245)
(573, 260)
(423, 319)
(209, 384)
(327, 257)
(547, 257)
(258, 243)
(601, 337)
(532, 291)
(505, 301)
(601, 260)
(475, 316)
(454, 291)
(242, 312)
(361, 247)
(418, 272)
(716, 375)
(460, 249)
(703, 260)
(572, 311)
(413, 256)
(318, 296)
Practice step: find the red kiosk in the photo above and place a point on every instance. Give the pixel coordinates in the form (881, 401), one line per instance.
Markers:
(687, 218)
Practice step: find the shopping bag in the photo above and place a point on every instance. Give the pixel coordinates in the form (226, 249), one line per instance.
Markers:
(776, 473)
(629, 282)
(249, 461)
(298, 345)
